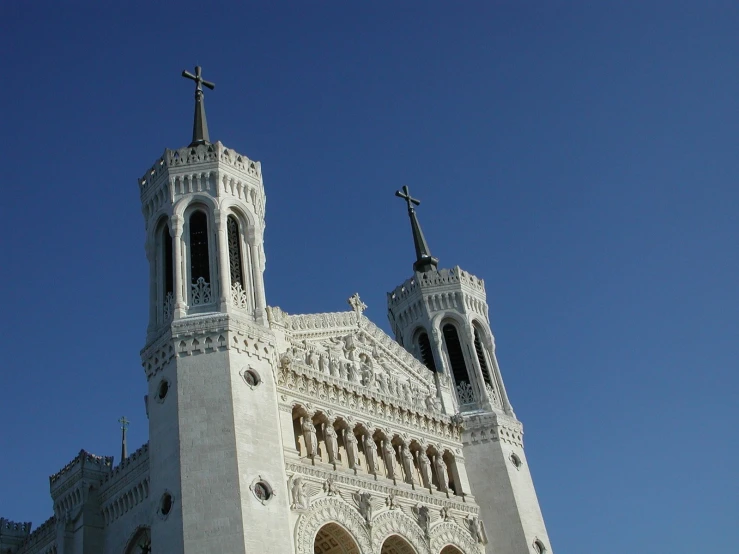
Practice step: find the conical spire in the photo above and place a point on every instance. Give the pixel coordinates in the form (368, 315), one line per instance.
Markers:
(424, 260)
(200, 124)
(124, 446)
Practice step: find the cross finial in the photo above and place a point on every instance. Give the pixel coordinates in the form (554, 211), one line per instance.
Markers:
(200, 125)
(405, 194)
(357, 305)
(424, 260)
(124, 448)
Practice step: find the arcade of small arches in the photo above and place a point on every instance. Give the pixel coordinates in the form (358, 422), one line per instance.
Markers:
(190, 237)
(362, 448)
(332, 538)
(473, 378)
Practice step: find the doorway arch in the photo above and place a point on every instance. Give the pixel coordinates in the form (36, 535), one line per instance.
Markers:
(450, 549)
(332, 538)
(395, 544)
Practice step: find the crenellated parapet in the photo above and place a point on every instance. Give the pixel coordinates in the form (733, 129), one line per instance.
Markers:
(71, 486)
(42, 540)
(210, 169)
(13, 534)
(126, 486)
(486, 427)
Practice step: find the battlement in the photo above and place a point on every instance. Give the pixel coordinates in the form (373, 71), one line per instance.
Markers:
(455, 275)
(83, 465)
(203, 154)
(42, 535)
(13, 529)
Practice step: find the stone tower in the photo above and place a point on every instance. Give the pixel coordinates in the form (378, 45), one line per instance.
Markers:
(441, 317)
(216, 460)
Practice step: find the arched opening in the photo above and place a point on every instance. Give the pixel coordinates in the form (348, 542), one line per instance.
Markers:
(482, 358)
(450, 549)
(140, 543)
(395, 544)
(424, 348)
(235, 259)
(199, 259)
(332, 538)
(165, 271)
(465, 394)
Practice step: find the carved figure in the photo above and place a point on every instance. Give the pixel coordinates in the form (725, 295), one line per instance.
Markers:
(391, 502)
(368, 375)
(343, 370)
(330, 487)
(444, 513)
(430, 404)
(382, 382)
(309, 434)
(477, 529)
(352, 373)
(370, 452)
(300, 498)
(350, 443)
(333, 365)
(332, 445)
(389, 456)
(312, 359)
(364, 504)
(323, 364)
(424, 465)
(424, 519)
(441, 473)
(406, 457)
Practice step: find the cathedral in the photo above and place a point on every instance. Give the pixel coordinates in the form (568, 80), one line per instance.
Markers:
(286, 433)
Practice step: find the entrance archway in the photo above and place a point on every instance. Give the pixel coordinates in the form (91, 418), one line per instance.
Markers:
(332, 538)
(395, 544)
(450, 549)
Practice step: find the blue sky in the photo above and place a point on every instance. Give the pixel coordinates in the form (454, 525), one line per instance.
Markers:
(578, 156)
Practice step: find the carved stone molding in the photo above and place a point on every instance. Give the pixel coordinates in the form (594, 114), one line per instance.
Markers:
(397, 523)
(446, 532)
(328, 510)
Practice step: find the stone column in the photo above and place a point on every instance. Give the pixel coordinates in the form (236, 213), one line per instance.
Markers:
(178, 223)
(222, 257)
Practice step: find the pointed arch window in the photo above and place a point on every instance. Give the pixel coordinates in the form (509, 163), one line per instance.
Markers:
(456, 356)
(167, 269)
(199, 259)
(480, 351)
(427, 355)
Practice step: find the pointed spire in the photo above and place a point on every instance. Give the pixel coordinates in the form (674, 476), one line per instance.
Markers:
(424, 260)
(124, 447)
(200, 124)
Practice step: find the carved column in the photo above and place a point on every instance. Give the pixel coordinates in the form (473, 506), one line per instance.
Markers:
(478, 382)
(222, 248)
(177, 222)
(449, 401)
(257, 265)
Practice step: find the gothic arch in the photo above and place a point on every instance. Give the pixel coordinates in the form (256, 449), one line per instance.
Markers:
(330, 510)
(447, 534)
(189, 202)
(395, 522)
(332, 538)
(232, 206)
(139, 542)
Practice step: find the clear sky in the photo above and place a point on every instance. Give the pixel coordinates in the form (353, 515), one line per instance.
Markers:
(581, 157)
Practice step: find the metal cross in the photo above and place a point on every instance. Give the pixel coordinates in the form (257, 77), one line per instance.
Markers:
(199, 81)
(406, 195)
(124, 423)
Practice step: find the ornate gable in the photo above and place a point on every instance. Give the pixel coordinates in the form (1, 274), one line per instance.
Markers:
(348, 346)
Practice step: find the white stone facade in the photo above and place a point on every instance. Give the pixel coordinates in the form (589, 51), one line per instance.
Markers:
(278, 433)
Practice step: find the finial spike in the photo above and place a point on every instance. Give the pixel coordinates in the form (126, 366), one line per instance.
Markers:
(124, 447)
(200, 123)
(424, 260)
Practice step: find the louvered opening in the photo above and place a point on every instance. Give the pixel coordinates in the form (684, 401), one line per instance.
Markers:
(456, 356)
(427, 355)
(481, 358)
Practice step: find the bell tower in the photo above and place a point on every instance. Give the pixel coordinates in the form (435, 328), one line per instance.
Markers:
(209, 352)
(441, 317)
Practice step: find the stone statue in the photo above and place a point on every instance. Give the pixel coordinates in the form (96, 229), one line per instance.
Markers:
(444, 513)
(370, 452)
(391, 502)
(330, 487)
(406, 457)
(313, 359)
(424, 466)
(477, 530)
(332, 445)
(300, 498)
(388, 453)
(364, 503)
(309, 434)
(352, 453)
(424, 519)
(382, 381)
(352, 373)
(430, 404)
(441, 473)
(323, 364)
(333, 365)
